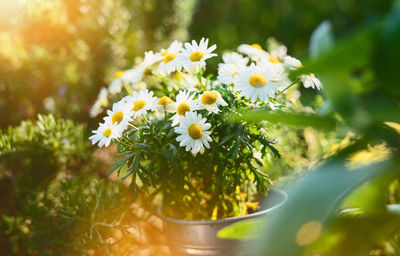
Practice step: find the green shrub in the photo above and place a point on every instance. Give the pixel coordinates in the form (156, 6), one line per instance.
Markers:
(35, 152)
(51, 204)
(73, 216)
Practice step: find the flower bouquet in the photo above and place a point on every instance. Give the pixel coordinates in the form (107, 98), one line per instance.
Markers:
(175, 133)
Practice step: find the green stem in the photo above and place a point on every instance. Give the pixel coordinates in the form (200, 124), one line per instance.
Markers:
(134, 127)
(127, 88)
(165, 113)
(279, 93)
(149, 124)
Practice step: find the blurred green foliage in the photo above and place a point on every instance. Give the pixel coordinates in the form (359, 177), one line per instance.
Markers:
(72, 216)
(233, 22)
(230, 23)
(319, 217)
(53, 203)
(57, 54)
(32, 154)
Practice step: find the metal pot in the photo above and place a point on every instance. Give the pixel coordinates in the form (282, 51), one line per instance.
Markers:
(199, 238)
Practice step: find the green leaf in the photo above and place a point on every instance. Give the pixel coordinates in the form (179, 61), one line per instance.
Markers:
(387, 53)
(321, 40)
(244, 230)
(354, 51)
(313, 202)
(291, 119)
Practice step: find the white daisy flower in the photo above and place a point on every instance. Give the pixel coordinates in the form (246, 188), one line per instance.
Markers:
(310, 80)
(141, 102)
(227, 73)
(235, 59)
(116, 85)
(96, 109)
(139, 86)
(273, 106)
(105, 133)
(278, 69)
(184, 103)
(181, 80)
(255, 51)
(101, 102)
(257, 82)
(150, 58)
(165, 104)
(270, 58)
(273, 59)
(292, 63)
(194, 55)
(103, 97)
(194, 134)
(120, 115)
(280, 51)
(170, 61)
(210, 100)
(133, 75)
(192, 82)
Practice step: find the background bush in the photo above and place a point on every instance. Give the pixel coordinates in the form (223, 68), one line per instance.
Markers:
(57, 54)
(230, 23)
(34, 153)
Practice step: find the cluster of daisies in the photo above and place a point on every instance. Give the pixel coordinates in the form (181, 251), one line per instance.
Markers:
(192, 128)
(177, 56)
(265, 76)
(259, 77)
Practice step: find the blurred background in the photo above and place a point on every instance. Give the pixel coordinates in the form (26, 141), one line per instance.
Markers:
(55, 55)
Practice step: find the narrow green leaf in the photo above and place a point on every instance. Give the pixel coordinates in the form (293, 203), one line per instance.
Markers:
(293, 119)
(245, 230)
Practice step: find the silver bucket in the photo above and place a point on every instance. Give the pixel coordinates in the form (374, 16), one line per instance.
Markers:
(199, 238)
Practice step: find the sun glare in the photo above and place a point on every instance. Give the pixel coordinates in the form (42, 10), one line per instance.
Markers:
(9, 9)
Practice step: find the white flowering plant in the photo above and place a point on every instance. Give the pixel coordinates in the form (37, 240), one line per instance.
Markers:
(174, 130)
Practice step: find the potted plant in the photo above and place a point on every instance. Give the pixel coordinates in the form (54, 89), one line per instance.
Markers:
(177, 138)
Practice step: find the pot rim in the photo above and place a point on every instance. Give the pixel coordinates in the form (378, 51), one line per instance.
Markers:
(229, 219)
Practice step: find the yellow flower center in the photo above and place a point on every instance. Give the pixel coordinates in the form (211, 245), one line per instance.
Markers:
(196, 56)
(138, 105)
(107, 132)
(117, 117)
(118, 74)
(310, 75)
(209, 98)
(257, 80)
(195, 131)
(273, 59)
(164, 100)
(168, 56)
(235, 73)
(257, 46)
(183, 108)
